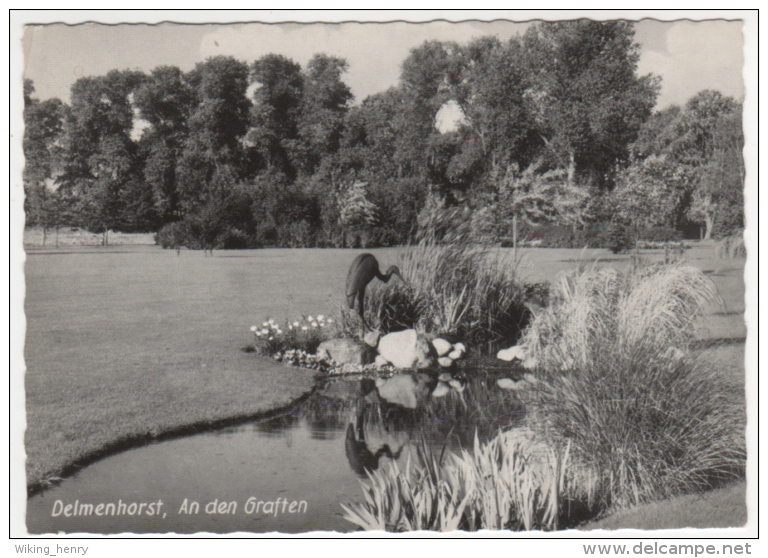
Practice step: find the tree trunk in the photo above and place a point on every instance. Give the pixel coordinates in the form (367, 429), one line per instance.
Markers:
(571, 168)
(709, 224)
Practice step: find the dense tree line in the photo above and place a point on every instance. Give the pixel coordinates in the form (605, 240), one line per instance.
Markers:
(554, 126)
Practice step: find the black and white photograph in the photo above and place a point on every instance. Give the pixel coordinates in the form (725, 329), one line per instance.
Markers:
(370, 273)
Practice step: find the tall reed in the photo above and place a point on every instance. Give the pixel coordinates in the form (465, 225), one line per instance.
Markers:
(510, 482)
(646, 418)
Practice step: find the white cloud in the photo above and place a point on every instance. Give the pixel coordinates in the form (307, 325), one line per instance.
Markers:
(700, 55)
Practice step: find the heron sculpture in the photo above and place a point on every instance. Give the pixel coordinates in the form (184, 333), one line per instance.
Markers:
(362, 271)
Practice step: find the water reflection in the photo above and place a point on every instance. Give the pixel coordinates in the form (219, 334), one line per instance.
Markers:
(317, 452)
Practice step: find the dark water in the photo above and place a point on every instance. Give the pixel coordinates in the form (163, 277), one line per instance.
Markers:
(288, 473)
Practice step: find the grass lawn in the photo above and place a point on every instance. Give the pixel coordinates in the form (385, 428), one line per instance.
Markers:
(128, 342)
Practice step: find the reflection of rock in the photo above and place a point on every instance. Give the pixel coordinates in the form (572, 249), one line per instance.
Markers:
(445, 377)
(442, 347)
(405, 389)
(509, 383)
(457, 384)
(346, 351)
(441, 389)
(406, 349)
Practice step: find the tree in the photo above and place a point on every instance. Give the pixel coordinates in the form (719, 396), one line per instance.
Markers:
(42, 145)
(585, 95)
(100, 156)
(324, 104)
(693, 157)
(212, 153)
(276, 113)
(166, 101)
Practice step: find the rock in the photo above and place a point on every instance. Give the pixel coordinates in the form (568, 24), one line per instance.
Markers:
(509, 383)
(380, 361)
(445, 377)
(459, 347)
(455, 354)
(404, 389)
(442, 347)
(406, 349)
(346, 351)
(440, 390)
(372, 339)
(512, 353)
(445, 361)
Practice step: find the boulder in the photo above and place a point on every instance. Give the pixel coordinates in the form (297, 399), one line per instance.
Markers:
(445, 377)
(406, 349)
(346, 351)
(442, 347)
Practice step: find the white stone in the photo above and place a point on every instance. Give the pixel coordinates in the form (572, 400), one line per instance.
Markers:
(456, 354)
(445, 361)
(380, 361)
(406, 349)
(512, 353)
(442, 347)
(530, 363)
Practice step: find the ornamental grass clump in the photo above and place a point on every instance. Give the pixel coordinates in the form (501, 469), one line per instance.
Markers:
(646, 418)
(452, 286)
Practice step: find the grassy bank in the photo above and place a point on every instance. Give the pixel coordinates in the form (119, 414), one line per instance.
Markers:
(127, 342)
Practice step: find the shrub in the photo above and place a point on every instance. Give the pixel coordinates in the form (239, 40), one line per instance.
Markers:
(645, 418)
(172, 235)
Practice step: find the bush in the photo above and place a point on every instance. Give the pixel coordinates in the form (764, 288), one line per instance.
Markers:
(617, 379)
(173, 235)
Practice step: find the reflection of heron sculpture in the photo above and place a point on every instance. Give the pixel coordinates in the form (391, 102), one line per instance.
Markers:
(363, 269)
(360, 457)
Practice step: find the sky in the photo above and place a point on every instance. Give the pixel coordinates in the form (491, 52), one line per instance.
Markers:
(689, 56)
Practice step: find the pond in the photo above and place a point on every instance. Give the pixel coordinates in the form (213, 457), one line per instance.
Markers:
(288, 473)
